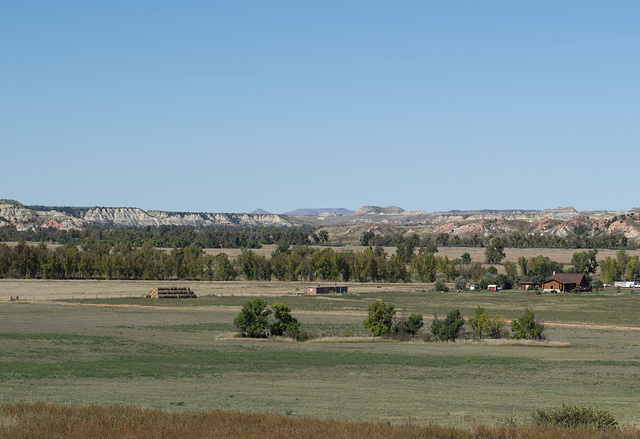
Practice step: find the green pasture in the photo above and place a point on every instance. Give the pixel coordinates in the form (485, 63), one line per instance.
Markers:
(181, 355)
(604, 308)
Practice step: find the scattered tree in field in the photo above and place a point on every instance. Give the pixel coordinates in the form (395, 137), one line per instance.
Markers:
(480, 322)
(449, 328)
(379, 319)
(526, 327)
(498, 327)
(466, 258)
(493, 253)
(253, 320)
(285, 324)
(365, 239)
(407, 325)
(483, 324)
(585, 262)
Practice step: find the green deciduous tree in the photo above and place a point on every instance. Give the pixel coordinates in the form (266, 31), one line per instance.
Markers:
(253, 320)
(407, 325)
(379, 319)
(633, 269)
(449, 328)
(323, 235)
(542, 267)
(585, 262)
(524, 266)
(482, 324)
(366, 238)
(285, 324)
(611, 270)
(406, 246)
(494, 252)
(511, 268)
(223, 268)
(526, 327)
(424, 265)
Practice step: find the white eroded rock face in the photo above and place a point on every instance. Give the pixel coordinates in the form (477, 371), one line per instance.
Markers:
(134, 217)
(12, 212)
(561, 221)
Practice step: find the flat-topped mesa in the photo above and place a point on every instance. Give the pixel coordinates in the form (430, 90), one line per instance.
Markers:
(377, 210)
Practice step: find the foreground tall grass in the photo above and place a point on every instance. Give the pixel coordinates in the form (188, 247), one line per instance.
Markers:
(40, 420)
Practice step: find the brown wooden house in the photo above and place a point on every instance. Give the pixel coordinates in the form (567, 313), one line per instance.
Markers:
(565, 282)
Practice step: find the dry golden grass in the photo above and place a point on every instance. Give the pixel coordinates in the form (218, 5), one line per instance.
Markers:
(39, 290)
(40, 420)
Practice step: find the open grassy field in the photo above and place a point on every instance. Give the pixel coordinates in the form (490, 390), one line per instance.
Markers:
(181, 355)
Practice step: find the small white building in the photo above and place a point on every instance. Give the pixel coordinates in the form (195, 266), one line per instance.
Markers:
(624, 284)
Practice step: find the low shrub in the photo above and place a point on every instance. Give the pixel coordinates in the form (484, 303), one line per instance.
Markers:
(440, 286)
(303, 335)
(573, 416)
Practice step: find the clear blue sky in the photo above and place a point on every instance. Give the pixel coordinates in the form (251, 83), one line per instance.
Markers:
(227, 106)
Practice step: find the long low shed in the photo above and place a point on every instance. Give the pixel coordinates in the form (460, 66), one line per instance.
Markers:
(311, 291)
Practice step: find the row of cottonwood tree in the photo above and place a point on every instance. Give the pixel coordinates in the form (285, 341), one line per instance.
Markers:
(94, 260)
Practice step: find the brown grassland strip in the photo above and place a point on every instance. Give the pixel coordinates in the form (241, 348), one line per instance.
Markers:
(39, 420)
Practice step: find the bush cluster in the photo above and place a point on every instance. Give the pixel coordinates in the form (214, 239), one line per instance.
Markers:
(257, 320)
(381, 320)
(254, 322)
(573, 416)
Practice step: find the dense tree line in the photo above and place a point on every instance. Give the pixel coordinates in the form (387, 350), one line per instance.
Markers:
(170, 236)
(509, 240)
(100, 260)
(93, 260)
(255, 237)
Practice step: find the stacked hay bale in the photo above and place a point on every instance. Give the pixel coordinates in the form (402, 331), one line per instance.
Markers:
(171, 293)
